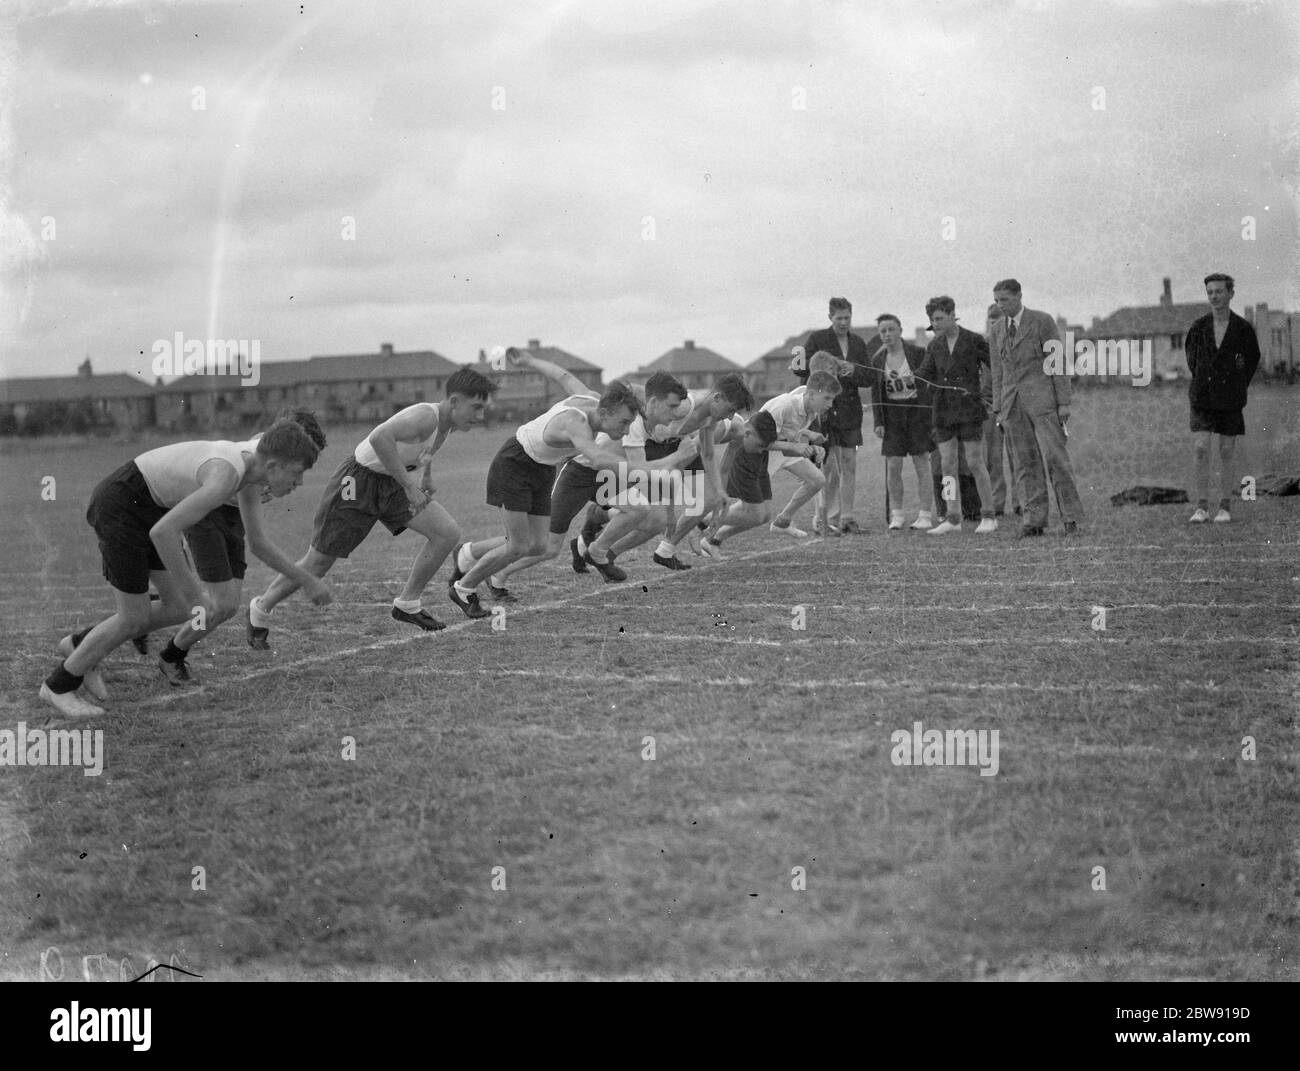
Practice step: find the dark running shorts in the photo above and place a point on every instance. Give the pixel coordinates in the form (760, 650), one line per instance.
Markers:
(1219, 421)
(518, 483)
(122, 510)
(968, 431)
(748, 479)
(574, 488)
(354, 499)
(841, 436)
(217, 546)
(908, 430)
(654, 451)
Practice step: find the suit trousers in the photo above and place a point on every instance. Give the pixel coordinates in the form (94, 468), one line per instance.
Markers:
(1024, 430)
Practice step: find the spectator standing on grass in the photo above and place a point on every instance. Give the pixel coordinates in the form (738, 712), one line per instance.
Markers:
(901, 417)
(1222, 355)
(952, 366)
(842, 423)
(1032, 407)
(993, 437)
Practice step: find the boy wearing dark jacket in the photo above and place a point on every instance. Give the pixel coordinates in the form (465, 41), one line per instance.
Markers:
(1222, 355)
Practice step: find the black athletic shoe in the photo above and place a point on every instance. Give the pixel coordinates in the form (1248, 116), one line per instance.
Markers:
(611, 572)
(457, 573)
(257, 637)
(177, 673)
(423, 619)
(579, 565)
(670, 563)
(141, 643)
(471, 605)
(1071, 528)
(500, 594)
(1029, 531)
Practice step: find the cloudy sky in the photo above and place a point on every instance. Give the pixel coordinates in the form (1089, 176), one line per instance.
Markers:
(615, 178)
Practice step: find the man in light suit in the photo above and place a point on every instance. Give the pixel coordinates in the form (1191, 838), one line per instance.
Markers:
(1032, 407)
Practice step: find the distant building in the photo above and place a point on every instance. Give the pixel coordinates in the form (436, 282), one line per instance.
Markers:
(1164, 325)
(697, 367)
(367, 388)
(770, 374)
(523, 394)
(225, 403)
(117, 399)
(1279, 337)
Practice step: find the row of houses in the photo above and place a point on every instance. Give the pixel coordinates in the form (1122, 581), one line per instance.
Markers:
(367, 388)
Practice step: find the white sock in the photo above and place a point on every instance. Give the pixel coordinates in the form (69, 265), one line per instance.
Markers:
(497, 580)
(896, 515)
(582, 544)
(465, 560)
(409, 606)
(462, 590)
(666, 549)
(258, 617)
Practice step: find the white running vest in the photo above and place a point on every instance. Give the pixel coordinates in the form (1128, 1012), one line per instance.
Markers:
(172, 471)
(530, 434)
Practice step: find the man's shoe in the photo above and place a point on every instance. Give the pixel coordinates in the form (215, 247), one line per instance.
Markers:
(69, 704)
(788, 529)
(500, 594)
(923, 523)
(1199, 517)
(669, 563)
(611, 572)
(420, 619)
(257, 637)
(470, 605)
(1030, 531)
(1071, 528)
(852, 528)
(1222, 517)
(986, 525)
(944, 527)
(177, 673)
(141, 643)
(93, 681)
(579, 565)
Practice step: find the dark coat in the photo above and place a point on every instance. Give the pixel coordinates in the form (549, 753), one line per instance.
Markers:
(1220, 376)
(915, 358)
(959, 373)
(845, 413)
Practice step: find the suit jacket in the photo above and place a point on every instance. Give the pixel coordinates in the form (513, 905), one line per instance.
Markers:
(845, 413)
(915, 357)
(1018, 368)
(959, 371)
(1220, 376)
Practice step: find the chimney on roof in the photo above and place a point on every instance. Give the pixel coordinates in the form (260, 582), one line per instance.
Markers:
(534, 343)
(690, 344)
(1167, 298)
(385, 349)
(83, 369)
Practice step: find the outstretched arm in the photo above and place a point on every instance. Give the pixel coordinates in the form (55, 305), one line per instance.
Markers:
(567, 381)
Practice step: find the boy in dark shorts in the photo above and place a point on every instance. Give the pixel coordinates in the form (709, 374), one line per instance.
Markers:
(387, 479)
(520, 479)
(952, 368)
(745, 472)
(140, 514)
(901, 414)
(1222, 355)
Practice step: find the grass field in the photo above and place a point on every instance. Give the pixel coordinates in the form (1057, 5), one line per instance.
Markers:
(522, 749)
